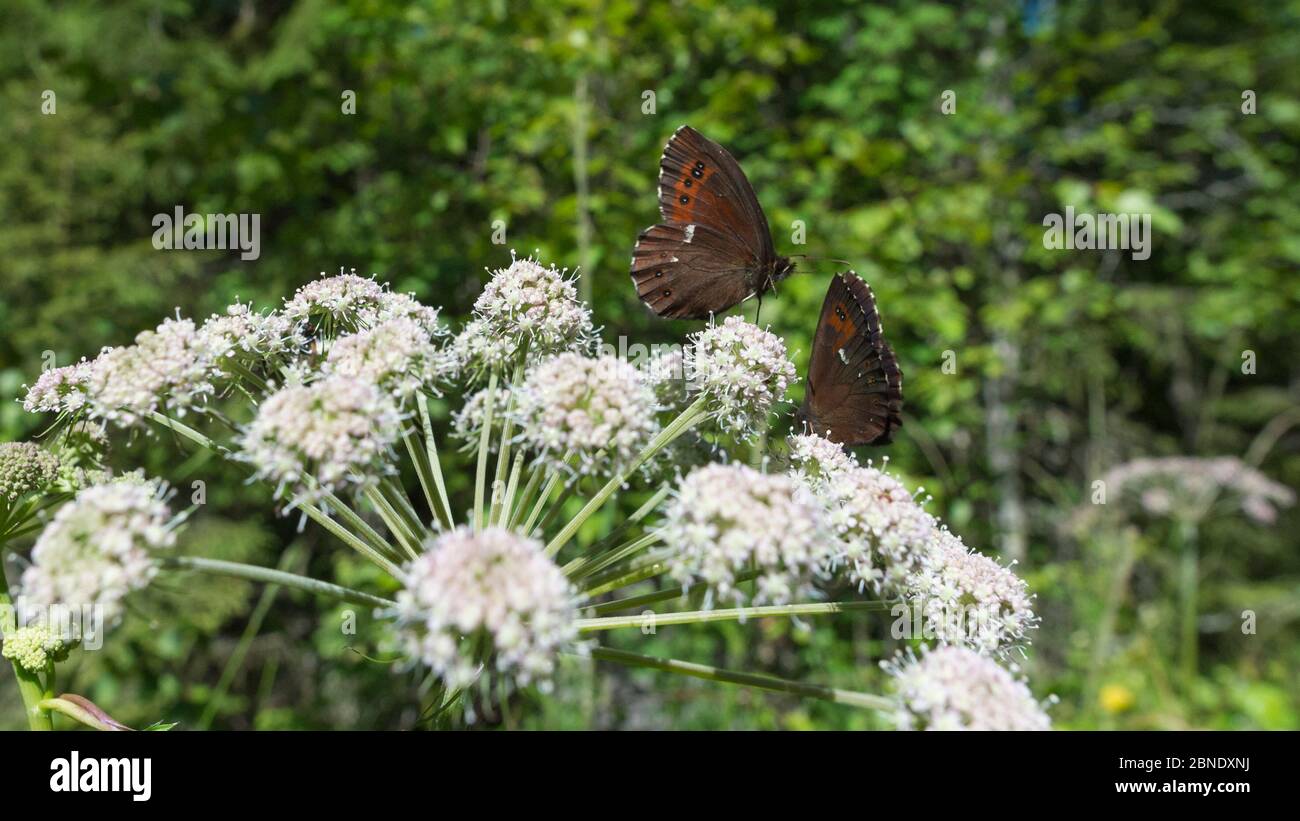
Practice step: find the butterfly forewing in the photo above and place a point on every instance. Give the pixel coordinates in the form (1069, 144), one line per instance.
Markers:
(855, 387)
(700, 182)
(714, 248)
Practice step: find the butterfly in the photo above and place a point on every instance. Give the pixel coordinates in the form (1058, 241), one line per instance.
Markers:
(854, 390)
(714, 248)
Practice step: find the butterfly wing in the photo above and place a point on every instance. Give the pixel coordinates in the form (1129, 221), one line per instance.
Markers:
(688, 271)
(855, 388)
(700, 182)
(714, 243)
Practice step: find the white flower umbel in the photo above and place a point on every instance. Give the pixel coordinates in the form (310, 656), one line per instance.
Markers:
(597, 412)
(489, 598)
(953, 688)
(727, 519)
(347, 302)
(742, 371)
(99, 547)
(394, 305)
(968, 598)
(168, 367)
(242, 335)
(397, 355)
(818, 458)
(334, 300)
(59, 390)
(310, 439)
(1186, 487)
(885, 535)
(525, 306)
(25, 468)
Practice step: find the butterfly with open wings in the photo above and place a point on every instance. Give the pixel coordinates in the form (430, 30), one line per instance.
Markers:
(854, 393)
(714, 248)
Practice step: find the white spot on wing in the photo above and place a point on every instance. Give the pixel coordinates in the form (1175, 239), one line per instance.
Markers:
(690, 233)
(843, 358)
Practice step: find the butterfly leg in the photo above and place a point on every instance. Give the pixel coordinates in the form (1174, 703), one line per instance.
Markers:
(759, 310)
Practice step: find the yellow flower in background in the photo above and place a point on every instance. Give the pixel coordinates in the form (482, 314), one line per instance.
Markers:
(1115, 698)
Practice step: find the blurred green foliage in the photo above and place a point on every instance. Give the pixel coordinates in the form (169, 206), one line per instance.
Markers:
(466, 113)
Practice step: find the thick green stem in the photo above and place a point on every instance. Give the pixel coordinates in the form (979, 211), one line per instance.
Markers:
(688, 419)
(270, 575)
(484, 439)
(361, 526)
(542, 500)
(507, 504)
(29, 684)
(526, 495)
(640, 574)
(503, 452)
(732, 614)
(584, 566)
(709, 673)
(431, 452)
(667, 594)
(397, 499)
(342, 533)
(425, 475)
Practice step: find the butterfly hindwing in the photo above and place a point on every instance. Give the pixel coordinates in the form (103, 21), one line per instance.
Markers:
(688, 271)
(855, 387)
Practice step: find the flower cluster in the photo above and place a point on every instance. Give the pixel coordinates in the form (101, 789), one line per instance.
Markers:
(818, 458)
(726, 519)
(167, 368)
(1184, 486)
(244, 334)
(173, 368)
(25, 468)
(312, 439)
(99, 547)
(968, 598)
(58, 390)
(525, 307)
(599, 412)
(397, 355)
(888, 543)
(489, 598)
(953, 688)
(741, 371)
(885, 535)
(34, 647)
(348, 302)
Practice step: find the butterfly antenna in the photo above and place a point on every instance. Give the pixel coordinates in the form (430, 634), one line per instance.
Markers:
(823, 259)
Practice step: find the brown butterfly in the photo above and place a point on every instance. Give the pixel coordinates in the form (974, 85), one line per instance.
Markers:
(855, 389)
(714, 248)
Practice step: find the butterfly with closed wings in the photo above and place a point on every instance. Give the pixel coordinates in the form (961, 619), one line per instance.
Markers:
(714, 248)
(854, 393)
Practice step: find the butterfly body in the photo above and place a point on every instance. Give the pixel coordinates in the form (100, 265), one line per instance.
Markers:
(854, 393)
(714, 248)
